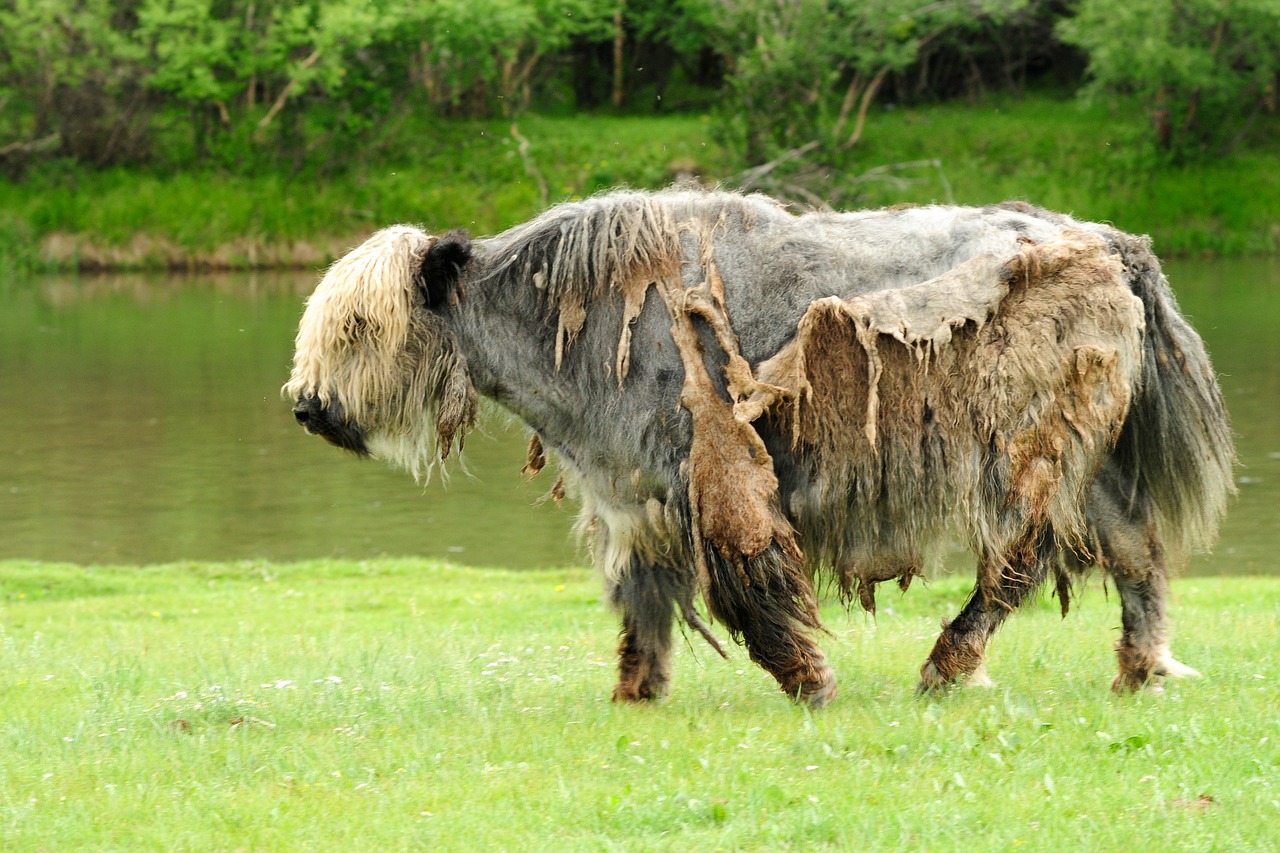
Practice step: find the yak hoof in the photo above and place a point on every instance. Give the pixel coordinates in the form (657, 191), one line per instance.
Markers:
(932, 680)
(1126, 683)
(633, 693)
(1131, 681)
(817, 695)
(979, 677)
(1173, 668)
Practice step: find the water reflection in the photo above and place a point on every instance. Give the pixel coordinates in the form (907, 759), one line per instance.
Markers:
(142, 423)
(1235, 304)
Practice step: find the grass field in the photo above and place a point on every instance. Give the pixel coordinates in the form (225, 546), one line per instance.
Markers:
(478, 175)
(397, 704)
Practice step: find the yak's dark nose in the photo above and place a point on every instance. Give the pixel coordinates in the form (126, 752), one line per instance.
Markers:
(307, 410)
(330, 423)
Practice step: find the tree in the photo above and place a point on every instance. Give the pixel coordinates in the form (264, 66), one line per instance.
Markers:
(804, 73)
(253, 71)
(77, 72)
(1201, 68)
(654, 38)
(478, 57)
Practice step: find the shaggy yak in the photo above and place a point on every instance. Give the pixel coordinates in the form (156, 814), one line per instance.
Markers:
(749, 400)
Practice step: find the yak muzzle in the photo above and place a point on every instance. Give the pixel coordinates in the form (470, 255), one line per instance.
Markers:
(330, 423)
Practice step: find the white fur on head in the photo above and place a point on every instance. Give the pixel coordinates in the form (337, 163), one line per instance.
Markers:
(356, 323)
(367, 342)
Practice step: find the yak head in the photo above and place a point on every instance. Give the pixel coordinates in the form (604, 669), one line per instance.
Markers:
(376, 369)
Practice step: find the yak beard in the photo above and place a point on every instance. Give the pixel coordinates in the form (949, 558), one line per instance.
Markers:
(438, 406)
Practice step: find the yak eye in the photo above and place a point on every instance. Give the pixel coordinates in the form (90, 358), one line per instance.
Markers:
(356, 327)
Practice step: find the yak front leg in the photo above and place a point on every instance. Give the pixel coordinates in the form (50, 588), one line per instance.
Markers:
(783, 649)
(647, 597)
(769, 603)
(960, 650)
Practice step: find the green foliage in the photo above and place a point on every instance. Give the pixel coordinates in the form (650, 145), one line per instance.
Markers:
(791, 62)
(76, 70)
(245, 84)
(803, 75)
(1000, 47)
(687, 26)
(484, 56)
(275, 76)
(192, 51)
(1201, 69)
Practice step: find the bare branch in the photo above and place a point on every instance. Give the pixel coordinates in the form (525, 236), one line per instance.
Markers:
(31, 146)
(284, 96)
(529, 166)
(867, 95)
(751, 177)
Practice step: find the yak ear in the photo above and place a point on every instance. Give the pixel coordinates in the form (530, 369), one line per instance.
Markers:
(442, 267)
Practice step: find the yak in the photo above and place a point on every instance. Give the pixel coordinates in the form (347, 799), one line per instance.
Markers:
(752, 402)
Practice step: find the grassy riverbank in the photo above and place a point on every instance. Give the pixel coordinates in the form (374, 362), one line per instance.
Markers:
(1087, 161)
(401, 705)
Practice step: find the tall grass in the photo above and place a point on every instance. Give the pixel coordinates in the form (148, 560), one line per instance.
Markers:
(396, 705)
(1092, 162)
(467, 174)
(477, 175)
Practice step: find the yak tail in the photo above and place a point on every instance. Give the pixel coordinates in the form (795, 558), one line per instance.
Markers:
(1176, 446)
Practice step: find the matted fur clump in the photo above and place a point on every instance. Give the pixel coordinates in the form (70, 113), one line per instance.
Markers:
(898, 398)
(747, 399)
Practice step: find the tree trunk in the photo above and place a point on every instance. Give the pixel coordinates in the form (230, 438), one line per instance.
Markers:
(619, 42)
(1160, 119)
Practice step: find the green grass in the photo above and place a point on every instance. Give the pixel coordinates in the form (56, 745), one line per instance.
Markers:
(1091, 162)
(458, 174)
(396, 705)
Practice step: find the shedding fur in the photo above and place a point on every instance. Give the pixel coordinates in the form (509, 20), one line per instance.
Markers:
(747, 399)
(735, 513)
(896, 398)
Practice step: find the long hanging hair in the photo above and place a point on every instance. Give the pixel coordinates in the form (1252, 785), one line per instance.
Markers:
(366, 343)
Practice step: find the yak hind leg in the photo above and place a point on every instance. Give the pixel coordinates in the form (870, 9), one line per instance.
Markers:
(647, 597)
(1143, 650)
(959, 654)
(769, 603)
(1132, 553)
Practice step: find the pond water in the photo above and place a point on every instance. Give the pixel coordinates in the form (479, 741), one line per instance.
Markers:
(142, 423)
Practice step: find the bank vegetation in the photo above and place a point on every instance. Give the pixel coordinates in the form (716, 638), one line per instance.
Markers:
(156, 108)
